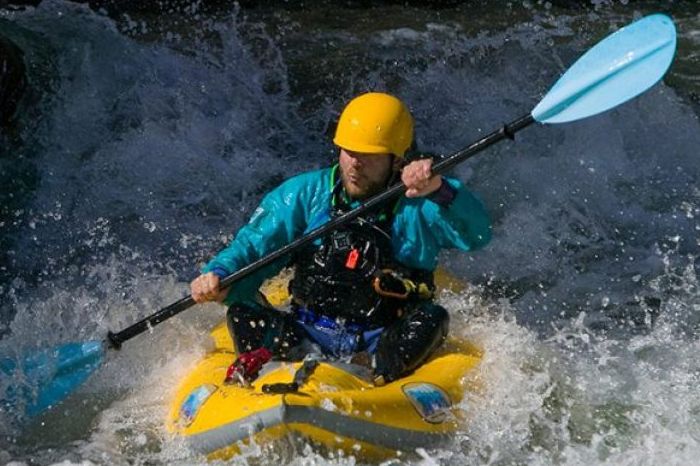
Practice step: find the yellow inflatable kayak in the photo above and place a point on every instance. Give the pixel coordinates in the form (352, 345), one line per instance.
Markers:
(337, 405)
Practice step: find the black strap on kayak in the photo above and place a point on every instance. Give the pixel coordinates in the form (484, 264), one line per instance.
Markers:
(300, 377)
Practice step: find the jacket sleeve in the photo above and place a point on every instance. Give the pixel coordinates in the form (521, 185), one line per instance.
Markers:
(280, 218)
(464, 224)
(425, 227)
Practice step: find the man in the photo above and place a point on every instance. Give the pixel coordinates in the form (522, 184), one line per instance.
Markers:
(365, 288)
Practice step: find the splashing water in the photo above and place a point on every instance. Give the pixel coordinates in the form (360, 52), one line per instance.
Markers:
(150, 140)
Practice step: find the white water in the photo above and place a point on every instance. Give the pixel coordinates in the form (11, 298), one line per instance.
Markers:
(152, 150)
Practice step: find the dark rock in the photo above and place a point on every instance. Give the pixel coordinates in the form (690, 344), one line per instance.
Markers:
(13, 80)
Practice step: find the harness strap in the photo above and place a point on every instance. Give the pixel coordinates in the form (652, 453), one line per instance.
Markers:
(390, 284)
(301, 376)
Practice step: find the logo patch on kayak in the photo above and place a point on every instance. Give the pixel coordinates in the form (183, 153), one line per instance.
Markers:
(431, 402)
(194, 401)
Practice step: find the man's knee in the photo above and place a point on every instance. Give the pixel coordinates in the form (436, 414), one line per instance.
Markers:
(435, 316)
(234, 314)
(256, 326)
(247, 326)
(411, 341)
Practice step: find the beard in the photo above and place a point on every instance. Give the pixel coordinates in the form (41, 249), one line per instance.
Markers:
(359, 186)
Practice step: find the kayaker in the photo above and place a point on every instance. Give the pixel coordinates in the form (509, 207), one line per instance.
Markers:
(366, 289)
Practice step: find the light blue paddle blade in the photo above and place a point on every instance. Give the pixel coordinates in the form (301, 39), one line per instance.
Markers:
(622, 66)
(46, 377)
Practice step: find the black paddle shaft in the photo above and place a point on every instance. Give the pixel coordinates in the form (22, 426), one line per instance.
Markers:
(507, 131)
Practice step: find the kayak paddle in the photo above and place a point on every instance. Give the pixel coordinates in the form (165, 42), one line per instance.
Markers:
(622, 66)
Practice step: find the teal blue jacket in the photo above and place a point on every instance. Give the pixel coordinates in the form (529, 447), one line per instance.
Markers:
(300, 204)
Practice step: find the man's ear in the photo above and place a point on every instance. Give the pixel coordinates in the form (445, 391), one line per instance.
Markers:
(399, 163)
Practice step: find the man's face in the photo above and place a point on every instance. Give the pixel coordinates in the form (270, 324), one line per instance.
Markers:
(364, 175)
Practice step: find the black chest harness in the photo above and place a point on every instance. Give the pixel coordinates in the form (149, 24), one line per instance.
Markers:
(353, 274)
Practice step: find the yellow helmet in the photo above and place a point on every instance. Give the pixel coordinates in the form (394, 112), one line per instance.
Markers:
(375, 123)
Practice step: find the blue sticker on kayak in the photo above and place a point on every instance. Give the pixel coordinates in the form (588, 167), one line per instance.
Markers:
(431, 402)
(194, 401)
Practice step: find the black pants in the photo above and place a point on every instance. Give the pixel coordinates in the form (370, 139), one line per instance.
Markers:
(403, 346)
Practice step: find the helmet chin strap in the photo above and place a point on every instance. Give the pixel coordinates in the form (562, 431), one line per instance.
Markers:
(396, 164)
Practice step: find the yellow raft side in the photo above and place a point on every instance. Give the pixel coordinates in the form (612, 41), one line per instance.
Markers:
(337, 407)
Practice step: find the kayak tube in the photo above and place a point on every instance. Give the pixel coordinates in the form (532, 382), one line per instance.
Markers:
(337, 406)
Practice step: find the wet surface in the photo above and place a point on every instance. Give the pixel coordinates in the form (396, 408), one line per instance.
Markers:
(145, 140)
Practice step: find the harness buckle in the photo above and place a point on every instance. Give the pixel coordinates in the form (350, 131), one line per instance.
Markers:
(390, 284)
(301, 376)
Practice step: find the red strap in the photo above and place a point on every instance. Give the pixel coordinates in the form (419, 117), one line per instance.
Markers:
(247, 365)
